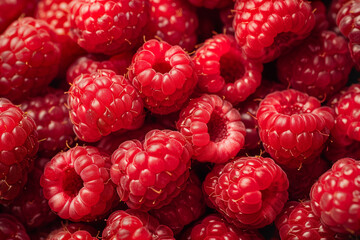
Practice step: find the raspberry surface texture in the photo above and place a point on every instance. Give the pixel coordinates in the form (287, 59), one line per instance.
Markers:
(11, 228)
(108, 27)
(267, 28)
(293, 127)
(151, 173)
(164, 75)
(103, 102)
(73, 231)
(223, 69)
(10, 11)
(77, 184)
(334, 197)
(213, 127)
(248, 191)
(18, 146)
(29, 58)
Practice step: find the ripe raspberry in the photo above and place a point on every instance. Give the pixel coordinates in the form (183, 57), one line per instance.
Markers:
(11, 228)
(293, 127)
(335, 197)
(333, 10)
(164, 76)
(265, 29)
(73, 231)
(347, 20)
(109, 27)
(320, 66)
(212, 3)
(214, 226)
(103, 102)
(224, 69)
(133, 224)
(52, 120)
(29, 58)
(188, 206)
(248, 191)
(173, 21)
(213, 127)
(19, 144)
(77, 184)
(149, 175)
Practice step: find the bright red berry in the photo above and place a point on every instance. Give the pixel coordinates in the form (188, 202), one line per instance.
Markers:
(335, 197)
(77, 184)
(164, 75)
(293, 127)
(73, 231)
(213, 127)
(151, 173)
(103, 102)
(223, 69)
(248, 191)
(11, 228)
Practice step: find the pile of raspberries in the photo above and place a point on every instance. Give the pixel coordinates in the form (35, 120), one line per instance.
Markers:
(179, 119)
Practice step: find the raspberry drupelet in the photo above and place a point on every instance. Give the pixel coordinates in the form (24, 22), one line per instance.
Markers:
(18, 146)
(73, 231)
(293, 127)
(103, 102)
(108, 27)
(223, 69)
(11, 228)
(164, 75)
(267, 28)
(151, 173)
(29, 58)
(320, 66)
(77, 184)
(335, 197)
(213, 127)
(248, 191)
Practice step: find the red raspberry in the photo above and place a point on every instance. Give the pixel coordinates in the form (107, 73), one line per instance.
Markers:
(213, 127)
(29, 58)
(150, 174)
(293, 127)
(164, 76)
(77, 184)
(214, 226)
(347, 20)
(188, 206)
(109, 27)
(133, 224)
(267, 28)
(333, 10)
(248, 191)
(173, 21)
(52, 120)
(222, 68)
(335, 197)
(11, 228)
(320, 66)
(211, 4)
(103, 102)
(73, 231)
(18, 145)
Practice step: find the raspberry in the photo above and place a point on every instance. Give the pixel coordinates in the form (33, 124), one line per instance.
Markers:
(133, 224)
(29, 58)
(214, 226)
(150, 174)
(293, 127)
(164, 76)
(18, 145)
(320, 66)
(52, 121)
(109, 27)
(335, 197)
(11, 10)
(213, 127)
(333, 10)
(248, 191)
(211, 4)
(223, 69)
(11, 228)
(173, 21)
(347, 20)
(188, 206)
(77, 184)
(103, 102)
(73, 231)
(265, 29)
